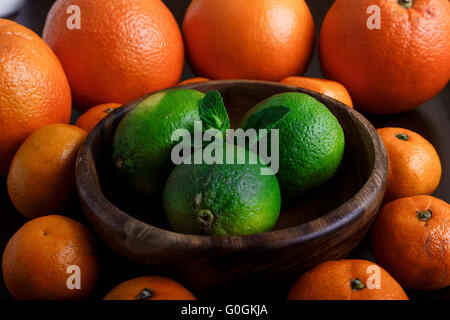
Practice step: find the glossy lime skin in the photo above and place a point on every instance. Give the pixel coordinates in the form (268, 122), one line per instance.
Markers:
(311, 142)
(142, 143)
(241, 200)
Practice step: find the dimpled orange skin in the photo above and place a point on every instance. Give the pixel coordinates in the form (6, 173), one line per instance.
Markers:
(396, 68)
(415, 252)
(88, 120)
(34, 90)
(36, 258)
(329, 88)
(160, 288)
(125, 49)
(331, 280)
(414, 167)
(193, 80)
(41, 178)
(252, 39)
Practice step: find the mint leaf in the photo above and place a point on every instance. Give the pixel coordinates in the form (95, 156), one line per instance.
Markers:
(213, 112)
(268, 119)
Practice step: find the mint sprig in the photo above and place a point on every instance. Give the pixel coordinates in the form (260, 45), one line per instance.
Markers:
(268, 118)
(213, 112)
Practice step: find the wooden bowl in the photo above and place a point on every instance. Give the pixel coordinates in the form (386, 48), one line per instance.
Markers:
(326, 224)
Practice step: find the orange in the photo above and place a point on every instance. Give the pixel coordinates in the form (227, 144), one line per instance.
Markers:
(149, 288)
(193, 80)
(251, 39)
(411, 239)
(41, 179)
(347, 280)
(124, 49)
(37, 260)
(88, 120)
(329, 88)
(34, 90)
(392, 69)
(414, 167)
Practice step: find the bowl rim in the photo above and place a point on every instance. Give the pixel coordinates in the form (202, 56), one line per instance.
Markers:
(332, 221)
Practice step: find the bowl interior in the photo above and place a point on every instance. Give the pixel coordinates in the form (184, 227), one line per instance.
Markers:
(239, 97)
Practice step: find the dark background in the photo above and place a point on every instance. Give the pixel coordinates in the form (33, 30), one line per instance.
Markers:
(431, 120)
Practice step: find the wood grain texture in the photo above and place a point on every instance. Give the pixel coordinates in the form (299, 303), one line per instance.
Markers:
(325, 224)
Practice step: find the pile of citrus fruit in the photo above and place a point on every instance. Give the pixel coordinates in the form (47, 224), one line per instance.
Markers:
(125, 49)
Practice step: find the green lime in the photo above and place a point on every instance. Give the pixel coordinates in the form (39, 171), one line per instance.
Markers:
(311, 142)
(222, 199)
(142, 142)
